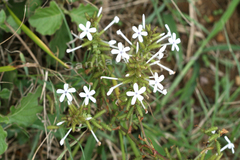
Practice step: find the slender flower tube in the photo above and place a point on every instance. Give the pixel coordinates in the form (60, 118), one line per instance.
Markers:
(112, 88)
(171, 72)
(115, 20)
(99, 12)
(119, 32)
(60, 123)
(146, 111)
(99, 143)
(73, 49)
(143, 20)
(62, 140)
(112, 78)
(137, 47)
(159, 54)
(167, 35)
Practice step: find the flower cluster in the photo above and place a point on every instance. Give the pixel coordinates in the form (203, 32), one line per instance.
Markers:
(77, 113)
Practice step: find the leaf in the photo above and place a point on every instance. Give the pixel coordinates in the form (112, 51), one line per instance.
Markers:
(5, 93)
(25, 113)
(3, 144)
(12, 23)
(47, 20)
(2, 16)
(32, 6)
(7, 68)
(59, 42)
(78, 14)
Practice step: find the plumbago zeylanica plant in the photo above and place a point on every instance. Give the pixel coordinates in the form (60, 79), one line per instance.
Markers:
(127, 105)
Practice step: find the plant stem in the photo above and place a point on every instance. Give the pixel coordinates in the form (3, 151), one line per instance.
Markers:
(35, 38)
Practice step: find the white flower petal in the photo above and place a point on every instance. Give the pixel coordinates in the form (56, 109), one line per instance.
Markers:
(71, 90)
(92, 30)
(82, 27)
(82, 94)
(135, 35)
(65, 87)
(88, 24)
(130, 93)
(62, 97)
(115, 51)
(60, 91)
(134, 29)
(140, 38)
(135, 87)
(144, 33)
(142, 90)
(92, 92)
(83, 34)
(133, 100)
(69, 97)
(89, 36)
(92, 99)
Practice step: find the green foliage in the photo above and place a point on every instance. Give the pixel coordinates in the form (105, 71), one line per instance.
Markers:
(25, 113)
(47, 20)
(78, 14)
(3, 144)
(4, 93)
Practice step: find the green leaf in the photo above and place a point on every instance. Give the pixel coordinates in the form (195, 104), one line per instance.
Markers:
(59, 42)
(25, 113)
(3, 144)
(5, 93)
(2, 16)
(12, 23)
(7, 68)
(78, 14)
(47, 20)
(32, 6)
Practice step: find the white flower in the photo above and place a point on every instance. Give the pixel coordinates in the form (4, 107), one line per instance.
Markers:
(167, 35)
(136, 94)
(174, 41)
(139, 33)
(88, 95)
(230, 145)
(121, 52)
(159, 53)
(66, 92)
(87, 30)
(119, 32)
(156, 82)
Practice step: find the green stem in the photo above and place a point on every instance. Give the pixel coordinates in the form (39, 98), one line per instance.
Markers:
(35, 38)
(122, 145)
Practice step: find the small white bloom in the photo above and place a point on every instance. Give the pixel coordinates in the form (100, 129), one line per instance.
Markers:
(62, 140)
(88, 95)
(87, 30)
(230, 145)
(136, 94)
(121, 52)
(156, 82)
(174, 42)
(139, 33)
(66, 92)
